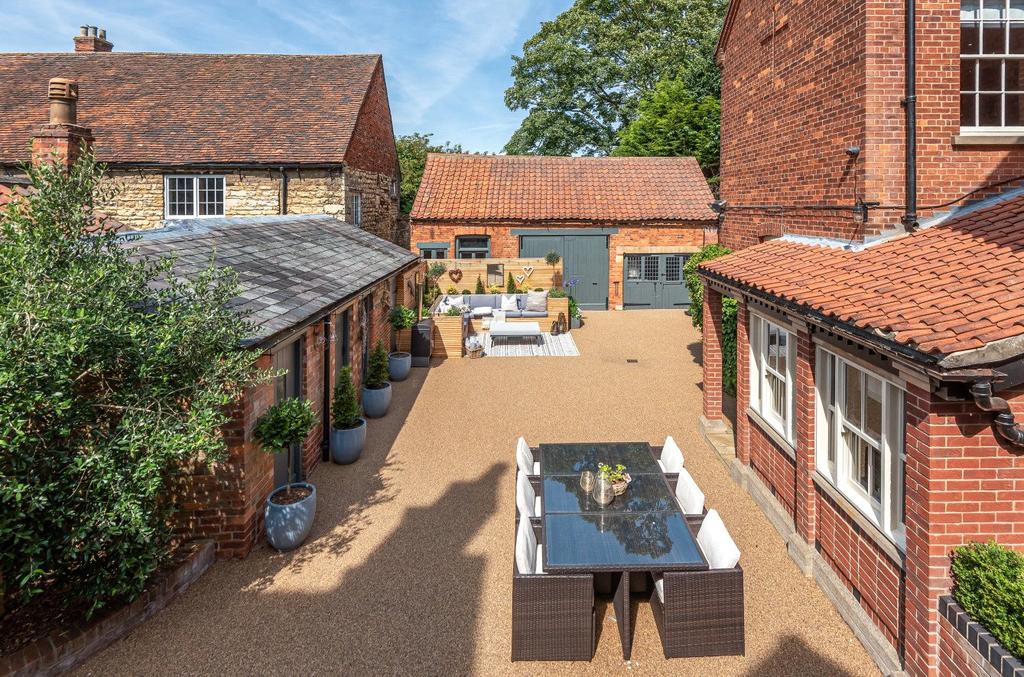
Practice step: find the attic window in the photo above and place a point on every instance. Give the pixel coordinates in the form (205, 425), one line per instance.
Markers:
(193, 196)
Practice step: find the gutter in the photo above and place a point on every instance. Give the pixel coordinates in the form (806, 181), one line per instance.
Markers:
(1003, 422)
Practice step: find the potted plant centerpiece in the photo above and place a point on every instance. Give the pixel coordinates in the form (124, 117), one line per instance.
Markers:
(348, 427)
(617, 475)
(376, 388)
(290, 509)
(400, 362)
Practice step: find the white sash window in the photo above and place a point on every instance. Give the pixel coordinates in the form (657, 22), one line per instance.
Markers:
(773, 369)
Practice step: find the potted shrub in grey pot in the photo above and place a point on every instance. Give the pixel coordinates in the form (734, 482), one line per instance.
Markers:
(376, 388)
(290, 509)
(400, 362)
(348, 427)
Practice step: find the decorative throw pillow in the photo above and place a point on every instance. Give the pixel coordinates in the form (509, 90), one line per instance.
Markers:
(459, 301)
(537, 301)
(509, 302)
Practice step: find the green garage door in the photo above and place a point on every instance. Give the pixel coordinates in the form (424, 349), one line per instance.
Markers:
(654, 281)
(584, 257)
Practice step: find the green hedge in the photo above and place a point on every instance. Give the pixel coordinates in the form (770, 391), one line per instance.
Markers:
(989, 584)
(696, 288)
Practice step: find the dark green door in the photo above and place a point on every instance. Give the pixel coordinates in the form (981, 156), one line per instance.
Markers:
(654, 281)
(584, 259)
(288, 359)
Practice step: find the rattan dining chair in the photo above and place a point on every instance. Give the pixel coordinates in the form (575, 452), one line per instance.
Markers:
(688, 494)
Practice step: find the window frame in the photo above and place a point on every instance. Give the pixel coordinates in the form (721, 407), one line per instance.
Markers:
(354, 208)
(433, 251)
(831, 373)
(759, 331)
(1005, 21)
(460, 248)
(194, 178)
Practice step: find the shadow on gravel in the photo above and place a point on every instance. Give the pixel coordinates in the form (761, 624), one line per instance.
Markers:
(792, 657)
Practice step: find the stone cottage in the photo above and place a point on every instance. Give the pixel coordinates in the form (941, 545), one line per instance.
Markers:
(220, 135)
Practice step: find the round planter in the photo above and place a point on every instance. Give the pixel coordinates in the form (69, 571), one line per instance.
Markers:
(347, 443)
(399, 365)
(376, 401)
(576, 322)
(287, 526)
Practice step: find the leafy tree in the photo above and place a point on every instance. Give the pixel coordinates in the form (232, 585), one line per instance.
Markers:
(114, 375)
(580, 78)
(412, 157)
(377, 369)
(671, 123)
(729, 311)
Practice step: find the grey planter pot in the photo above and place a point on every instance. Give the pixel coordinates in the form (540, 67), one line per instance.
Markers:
(399, 364)
(376, 401)
(347, 443)
(575, 322)
(287, 526)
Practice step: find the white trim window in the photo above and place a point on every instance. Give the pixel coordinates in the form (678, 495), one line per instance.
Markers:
(991, 66)
(773, 370)
(859, 446)
(354, 209)
(193, 196)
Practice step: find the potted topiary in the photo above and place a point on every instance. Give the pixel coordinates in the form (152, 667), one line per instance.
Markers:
(348, 427)
(290, 509)
(376, 388)
(400, 362)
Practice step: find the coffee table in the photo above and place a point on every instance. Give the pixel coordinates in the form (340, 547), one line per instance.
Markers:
(515, 330)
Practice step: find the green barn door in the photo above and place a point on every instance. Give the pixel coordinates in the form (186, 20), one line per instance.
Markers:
(654, 281)
(584, 257)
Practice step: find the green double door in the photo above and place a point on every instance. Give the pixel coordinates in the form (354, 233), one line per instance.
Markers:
(654, 281)
(584, 258)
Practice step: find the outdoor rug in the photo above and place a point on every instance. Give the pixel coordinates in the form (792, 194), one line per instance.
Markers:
(553, 346)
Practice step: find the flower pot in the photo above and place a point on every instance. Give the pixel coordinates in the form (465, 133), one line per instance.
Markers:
(287, 526)
(376, 401)
(399, 364)
(347, 443)
(576, 322)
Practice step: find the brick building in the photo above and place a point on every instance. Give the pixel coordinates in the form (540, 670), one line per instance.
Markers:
(880, 371)
(197, 135)
(623, 226)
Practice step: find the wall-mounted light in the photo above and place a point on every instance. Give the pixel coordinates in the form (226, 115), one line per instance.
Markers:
(718, 206)
(853, 151)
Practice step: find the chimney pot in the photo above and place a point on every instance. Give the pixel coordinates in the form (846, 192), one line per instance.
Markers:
(83, 30)
(92, 39)
(92, 31)
(63, 95)
(103, 34)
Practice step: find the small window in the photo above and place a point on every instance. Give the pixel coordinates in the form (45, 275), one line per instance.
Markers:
(342, 347)
(992, 64)
(473, 247)
(354, 209)
(651, 268)
(433, 252)
(633, 268)
(193, 196)
(772, 360)
(673, 268)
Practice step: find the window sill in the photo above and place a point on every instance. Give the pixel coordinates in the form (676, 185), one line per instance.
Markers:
(893, 551)
(992, 139)
(774, 434)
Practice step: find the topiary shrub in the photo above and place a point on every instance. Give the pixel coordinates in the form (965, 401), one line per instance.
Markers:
(283, 425)
(989, 584)
(510, 286)
(729, 310)
(110, 386)
(480, 286)
(552, 258)
(377, 370)
(346, 408)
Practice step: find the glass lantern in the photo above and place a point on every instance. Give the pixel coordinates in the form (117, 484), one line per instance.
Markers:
(604, 493)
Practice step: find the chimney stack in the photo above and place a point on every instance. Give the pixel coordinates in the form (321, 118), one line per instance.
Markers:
(92, 39)
(61, 140)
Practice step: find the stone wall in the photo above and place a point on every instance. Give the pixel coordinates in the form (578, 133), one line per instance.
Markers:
(380, 204)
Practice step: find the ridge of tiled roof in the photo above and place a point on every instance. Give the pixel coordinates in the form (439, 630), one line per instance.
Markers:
(941, 291)
(290, 268)
(540, 188)
(173, 109)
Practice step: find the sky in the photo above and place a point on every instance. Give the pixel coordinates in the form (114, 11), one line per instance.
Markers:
(447, 62)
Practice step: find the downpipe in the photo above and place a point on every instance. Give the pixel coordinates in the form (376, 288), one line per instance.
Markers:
(1003, 421)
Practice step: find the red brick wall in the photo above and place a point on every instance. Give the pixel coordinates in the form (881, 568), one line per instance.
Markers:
(372, 147)
(672, 237)
(773, 466)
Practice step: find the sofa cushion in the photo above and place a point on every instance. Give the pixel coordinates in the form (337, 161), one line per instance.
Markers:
(455, 300)
(489, 300)
(526, 547)
(513, 313)
(691, 498)
(509, 302)
(659, 587)
(715, 542)
(526, 498)
(531, 313)
(671, 456)
(537, 301)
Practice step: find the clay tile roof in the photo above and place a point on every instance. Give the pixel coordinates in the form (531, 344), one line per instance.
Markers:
(949, 288)
(537, 188)
(192, 108)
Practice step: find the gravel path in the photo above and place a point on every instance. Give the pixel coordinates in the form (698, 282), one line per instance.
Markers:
(408, 569)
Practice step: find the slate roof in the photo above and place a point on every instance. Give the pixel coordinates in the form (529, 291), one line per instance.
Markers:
(539, 188)
(953, 287)
(176, 109)
(289, 267)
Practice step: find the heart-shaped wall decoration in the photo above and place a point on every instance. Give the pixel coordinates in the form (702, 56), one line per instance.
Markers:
(455, 274)
(528, 270)
(520, 279)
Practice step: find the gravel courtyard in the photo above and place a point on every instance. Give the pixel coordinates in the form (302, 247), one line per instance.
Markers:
(409, 567)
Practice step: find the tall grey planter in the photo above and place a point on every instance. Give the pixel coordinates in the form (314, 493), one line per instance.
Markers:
(347, 443)
(376, 401)
(399, 365)
(287, 526)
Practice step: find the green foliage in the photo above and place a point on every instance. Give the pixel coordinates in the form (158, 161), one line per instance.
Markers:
(729, 308)
(377, 371)
(465, 291)
(436, 270)
(616, 474)
(412, 157)
(480, 286)
(582, 75)
(989, 584)
(453, 312)
(402, 317)
(557, 294)
(552, 258)
(286, 423)
(510, 286)
(109, 386)
(670, 122)
(574, 310)
(347, 410)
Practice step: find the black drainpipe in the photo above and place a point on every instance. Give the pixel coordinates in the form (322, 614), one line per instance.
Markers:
(325, 446)
(910, 107)
(1003, 422)
(283, 198)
